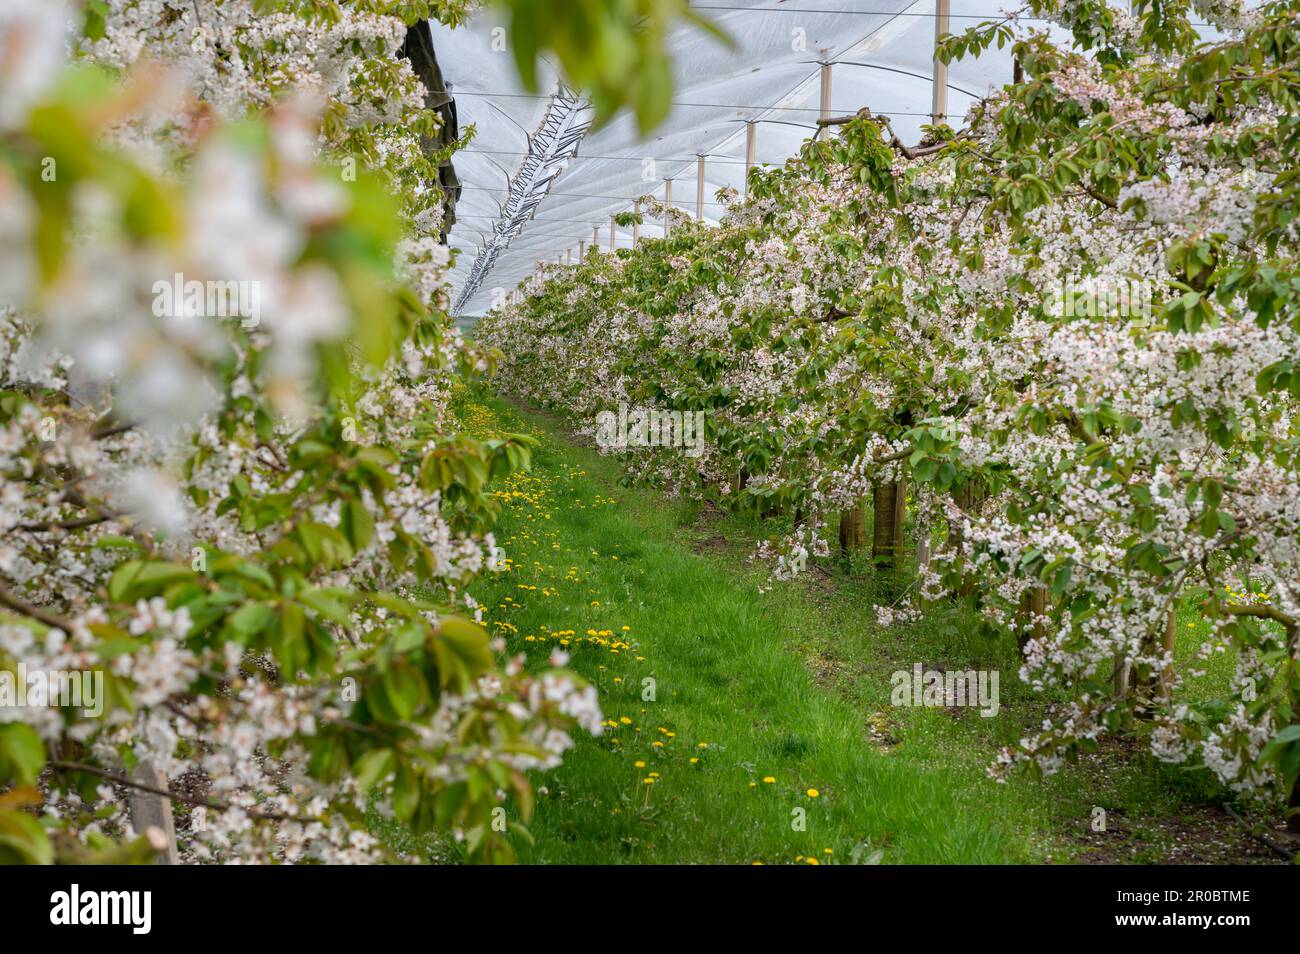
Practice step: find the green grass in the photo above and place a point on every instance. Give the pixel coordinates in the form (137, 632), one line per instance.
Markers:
(791, 684)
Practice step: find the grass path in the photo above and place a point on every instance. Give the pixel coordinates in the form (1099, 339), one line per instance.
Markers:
(755, 727)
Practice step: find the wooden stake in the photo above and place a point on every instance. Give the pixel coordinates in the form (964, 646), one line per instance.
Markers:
(923, 551)
(150, 810)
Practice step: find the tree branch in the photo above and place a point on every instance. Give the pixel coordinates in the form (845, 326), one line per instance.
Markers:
(834, 313)
(908, 152)
(168, 793)
(17, 603)
(75, 524)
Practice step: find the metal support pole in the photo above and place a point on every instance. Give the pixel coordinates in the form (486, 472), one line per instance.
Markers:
(612, 236)
(939, 104)
(582, 251)
(750, 129)
(826, 96)
(699, 189)
(636, 225)
(595, 238)
(668, 201)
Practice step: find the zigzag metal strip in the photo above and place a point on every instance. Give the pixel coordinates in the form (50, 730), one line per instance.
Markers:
(550, 149)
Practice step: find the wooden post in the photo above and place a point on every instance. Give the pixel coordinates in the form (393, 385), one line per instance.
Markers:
(150, 810)
(699, 189)
(668, 203)
(750, 132)
(612, 234)
(582, 251)
(1121, 677)
(939, 101)
(595, 238)
(636, 224)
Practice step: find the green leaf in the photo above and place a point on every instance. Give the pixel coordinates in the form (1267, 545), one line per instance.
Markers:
(23, 840)
(250, 619)
(462, 651)
(374, 766)
(136, 579)
(325, 603)
(22, 756)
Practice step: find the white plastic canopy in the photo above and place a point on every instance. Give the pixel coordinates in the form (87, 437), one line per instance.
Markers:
(539, 186)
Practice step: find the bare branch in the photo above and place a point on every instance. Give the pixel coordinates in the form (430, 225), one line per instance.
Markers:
(167, 793)
(17, 603)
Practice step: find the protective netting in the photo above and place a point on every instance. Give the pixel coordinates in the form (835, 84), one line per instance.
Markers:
(882, 51)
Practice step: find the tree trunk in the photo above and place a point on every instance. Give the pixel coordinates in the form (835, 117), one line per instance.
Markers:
(968, 498)
(853, 529)
(1293, 818)
(900, 515)
(1033, 604)
(1158, 686)
(418, 49)
(884, 531)
(739, 481)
